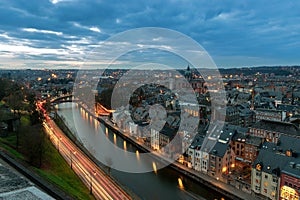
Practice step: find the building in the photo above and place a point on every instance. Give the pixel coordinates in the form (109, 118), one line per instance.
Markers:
(209, 142)
(231, 115)
(272, 130)
(155, 139)
(252, 147)
(198, 84)
(238, 144)
(270, 114)
(246, 115)
(276, 171)
(290, 181)
(133, 129)
(290, 173)
(265, 174)
(221, 158)
(290, 110)
(165, 141)
(194, 153)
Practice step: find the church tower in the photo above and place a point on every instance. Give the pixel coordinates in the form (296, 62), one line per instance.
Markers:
(188, 73)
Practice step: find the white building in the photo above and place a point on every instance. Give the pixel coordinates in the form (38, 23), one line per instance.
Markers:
(154, 139)
(133, 129)
(195, 154)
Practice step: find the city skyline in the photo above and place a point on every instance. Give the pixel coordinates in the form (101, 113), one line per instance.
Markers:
(60, 33)
(134, 100)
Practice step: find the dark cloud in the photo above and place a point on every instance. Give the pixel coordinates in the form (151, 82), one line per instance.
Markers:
(248, 32)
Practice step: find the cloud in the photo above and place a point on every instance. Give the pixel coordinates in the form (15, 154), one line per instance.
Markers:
(33, 30)
(95, 29)
(239, 31)
(30, 50)
(58, 1)
(92, 28)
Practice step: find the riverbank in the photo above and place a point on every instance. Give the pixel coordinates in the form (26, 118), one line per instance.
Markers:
(223, 188)
(49, 171)
(36, 179)
(61, 123)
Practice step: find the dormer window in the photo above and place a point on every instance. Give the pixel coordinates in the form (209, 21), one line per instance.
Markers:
(288, 153)
(258, 167)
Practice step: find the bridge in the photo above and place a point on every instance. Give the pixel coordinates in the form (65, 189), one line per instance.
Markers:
(63, 98)
(98, 109)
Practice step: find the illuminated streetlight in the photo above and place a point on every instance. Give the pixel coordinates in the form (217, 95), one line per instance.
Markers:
(60, 139)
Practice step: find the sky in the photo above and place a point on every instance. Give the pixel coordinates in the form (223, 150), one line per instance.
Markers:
(61, 33)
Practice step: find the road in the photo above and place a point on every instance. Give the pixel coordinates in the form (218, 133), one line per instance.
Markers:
(99, 183)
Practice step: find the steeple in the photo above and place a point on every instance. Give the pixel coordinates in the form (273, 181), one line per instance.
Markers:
(188, 73)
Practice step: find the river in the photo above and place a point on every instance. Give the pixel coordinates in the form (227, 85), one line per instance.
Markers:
(162, 185)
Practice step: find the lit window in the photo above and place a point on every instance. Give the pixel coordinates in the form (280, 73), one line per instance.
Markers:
(273, 193)
(266, 184)
(288, 193)
(258, 167)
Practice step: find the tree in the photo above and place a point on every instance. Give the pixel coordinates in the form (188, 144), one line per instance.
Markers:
(30, 97)
(105, 98)
(15, 101)
(33, 144)
(36, 117)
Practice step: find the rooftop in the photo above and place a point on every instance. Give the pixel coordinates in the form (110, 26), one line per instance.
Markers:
(271, 162)
(282, 127)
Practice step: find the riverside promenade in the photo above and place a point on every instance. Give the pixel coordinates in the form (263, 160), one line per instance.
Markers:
(223, 188)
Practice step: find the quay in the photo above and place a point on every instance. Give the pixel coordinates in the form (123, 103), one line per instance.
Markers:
(223, 188)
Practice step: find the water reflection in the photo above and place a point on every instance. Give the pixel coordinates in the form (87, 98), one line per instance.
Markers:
(154, 167)
(115, 138)
(161, 185)
(124, 146)
(180, 184)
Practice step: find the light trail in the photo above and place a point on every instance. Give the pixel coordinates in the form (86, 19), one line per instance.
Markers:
(99, 183)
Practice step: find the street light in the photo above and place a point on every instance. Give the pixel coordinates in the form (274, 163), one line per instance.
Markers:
(60, 139)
